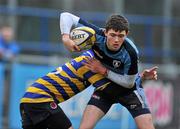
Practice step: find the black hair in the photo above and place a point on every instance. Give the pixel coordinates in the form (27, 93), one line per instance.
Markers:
(117, 23)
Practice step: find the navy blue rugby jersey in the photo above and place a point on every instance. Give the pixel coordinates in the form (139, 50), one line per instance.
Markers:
(64, 82)
(124, 61)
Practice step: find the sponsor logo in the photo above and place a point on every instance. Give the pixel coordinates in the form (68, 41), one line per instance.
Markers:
(78, 36)
(95, 97)
(132, 106)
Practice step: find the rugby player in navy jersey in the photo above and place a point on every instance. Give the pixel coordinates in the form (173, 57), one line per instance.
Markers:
(116, 57)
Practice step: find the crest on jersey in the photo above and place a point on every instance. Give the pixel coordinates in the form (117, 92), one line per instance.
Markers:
(116, 63)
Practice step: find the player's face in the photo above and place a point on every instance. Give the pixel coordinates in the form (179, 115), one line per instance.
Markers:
(115, 39)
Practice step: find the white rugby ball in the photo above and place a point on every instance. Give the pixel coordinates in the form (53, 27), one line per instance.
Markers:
(84, 37)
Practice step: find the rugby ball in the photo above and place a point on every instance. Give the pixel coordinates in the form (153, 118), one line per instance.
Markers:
(84, 37)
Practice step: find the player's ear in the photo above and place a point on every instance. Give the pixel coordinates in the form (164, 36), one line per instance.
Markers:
(127, 32)
(105, 32)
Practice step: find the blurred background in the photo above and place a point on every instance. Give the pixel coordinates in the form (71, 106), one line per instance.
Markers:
(31, 46)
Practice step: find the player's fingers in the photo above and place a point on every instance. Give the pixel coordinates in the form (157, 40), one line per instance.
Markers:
(76, 48)
(155, 72)
(153, 69)
(155, 77)
(86, 59)
(92, 61)
(87, 65)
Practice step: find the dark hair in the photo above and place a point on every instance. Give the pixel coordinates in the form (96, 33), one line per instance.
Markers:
(117, 23)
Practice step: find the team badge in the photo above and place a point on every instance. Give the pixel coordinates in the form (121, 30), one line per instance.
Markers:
(116, 63)
(53, 105)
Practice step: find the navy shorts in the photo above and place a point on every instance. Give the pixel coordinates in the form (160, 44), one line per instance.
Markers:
(43, 115)
(133, 99)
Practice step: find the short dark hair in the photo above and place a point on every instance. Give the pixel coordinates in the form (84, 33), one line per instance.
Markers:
(117, 23)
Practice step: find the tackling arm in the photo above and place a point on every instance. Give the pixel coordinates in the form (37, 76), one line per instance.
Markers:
(126, 81)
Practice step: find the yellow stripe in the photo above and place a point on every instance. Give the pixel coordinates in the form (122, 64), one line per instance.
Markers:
(71, 68)
(81, 71)
(62, 83)
(95, 78)
(51, 88)
(80, 58)
(37, 90)
(40, 91)
(78, 83)
(39, 100)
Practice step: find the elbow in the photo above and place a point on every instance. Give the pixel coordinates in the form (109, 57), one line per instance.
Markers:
(130, 84)
(64, 14)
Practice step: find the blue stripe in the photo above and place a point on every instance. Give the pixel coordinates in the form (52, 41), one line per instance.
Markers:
(76, 65)
(35, 95)
(70, 73)
(70, 83)
(101, 82)
(57, 86)
(42, 87)
(88, 74)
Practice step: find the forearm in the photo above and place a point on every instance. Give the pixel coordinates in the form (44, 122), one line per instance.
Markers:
(126, 81)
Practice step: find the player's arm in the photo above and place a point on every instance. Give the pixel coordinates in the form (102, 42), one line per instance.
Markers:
(67, 21)
(90, 78)
(95, 66)
(126, 81)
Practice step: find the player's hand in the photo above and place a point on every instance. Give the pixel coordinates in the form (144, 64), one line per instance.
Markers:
(149, 74)
(95, 66)
(69, 44)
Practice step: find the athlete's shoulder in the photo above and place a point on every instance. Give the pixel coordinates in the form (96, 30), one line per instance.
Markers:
(98, 30)
(78, 61)
(130, 46)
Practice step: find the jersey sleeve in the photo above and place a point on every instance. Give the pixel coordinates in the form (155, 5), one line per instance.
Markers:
(98, 30)
(131, 66)
(67, 21)
(131, 58)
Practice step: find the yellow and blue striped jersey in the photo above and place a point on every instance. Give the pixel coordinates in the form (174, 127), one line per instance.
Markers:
(64, 82)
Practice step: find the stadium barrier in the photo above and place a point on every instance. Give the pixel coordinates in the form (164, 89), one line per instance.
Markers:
(1, 92)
